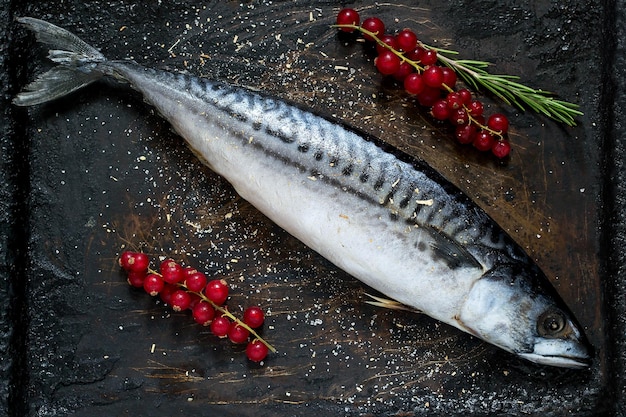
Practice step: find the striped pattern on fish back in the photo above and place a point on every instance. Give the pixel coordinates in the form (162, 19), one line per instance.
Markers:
(328, 151)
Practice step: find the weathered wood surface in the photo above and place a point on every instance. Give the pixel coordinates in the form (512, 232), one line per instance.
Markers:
(106, 173)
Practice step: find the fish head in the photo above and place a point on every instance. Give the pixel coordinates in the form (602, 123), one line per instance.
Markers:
(515, 307)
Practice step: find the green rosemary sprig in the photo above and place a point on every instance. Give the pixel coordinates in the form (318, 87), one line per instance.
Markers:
(509, 90)
(505, 87)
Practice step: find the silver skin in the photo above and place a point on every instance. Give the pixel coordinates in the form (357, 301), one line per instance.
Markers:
(390, 221)
(495, 310)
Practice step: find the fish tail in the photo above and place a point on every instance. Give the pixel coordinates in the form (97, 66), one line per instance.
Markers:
(78, 64)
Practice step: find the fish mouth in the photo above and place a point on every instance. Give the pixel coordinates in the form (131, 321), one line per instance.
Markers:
(573, 362)
(572, 352)
(558, 352)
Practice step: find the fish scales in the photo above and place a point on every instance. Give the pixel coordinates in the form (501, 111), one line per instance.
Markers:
(316, 147)
(390, 221)
(330, 152)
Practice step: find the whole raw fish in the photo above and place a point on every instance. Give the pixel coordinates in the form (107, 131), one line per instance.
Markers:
(390, 221)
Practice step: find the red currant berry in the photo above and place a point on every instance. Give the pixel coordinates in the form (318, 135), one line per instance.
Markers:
(387, 40)
(428, 57)
(440, 110)
(466, 95)
(480, 120)
(475, 108)
(188, 271)
(454, 101)
(483, 141)
(253, 317)
(180, 300)
(134, 261)
(404, 71)
(415, 54)
(166, 292)
(449, 77)
(153, 284)
(126, 258)
(217, 291)
(237, 333)
(414, 84)
(459, 117)
(387, 62)
(171, 271)
(465, 134)
(348, 17)
(374, 25)
(256, 351)
(429, 96)
(406, 40)
(196, 282)
(498, 123)
(195, 299)
(501, 148)
(203, 313)
(141, 262)
(136, 278)
(433, 77)
(220, 326)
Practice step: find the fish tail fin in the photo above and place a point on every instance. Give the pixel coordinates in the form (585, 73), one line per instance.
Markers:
(78, 64)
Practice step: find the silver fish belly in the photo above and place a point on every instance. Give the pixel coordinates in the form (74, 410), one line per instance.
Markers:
(388, 220)
(365, 210)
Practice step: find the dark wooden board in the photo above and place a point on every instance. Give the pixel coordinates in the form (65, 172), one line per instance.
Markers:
(106, 173)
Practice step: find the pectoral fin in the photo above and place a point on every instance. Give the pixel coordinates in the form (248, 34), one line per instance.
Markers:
(450, 251)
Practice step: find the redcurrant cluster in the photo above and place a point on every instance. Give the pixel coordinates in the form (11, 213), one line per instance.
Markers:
(185, 288)
(414, 64)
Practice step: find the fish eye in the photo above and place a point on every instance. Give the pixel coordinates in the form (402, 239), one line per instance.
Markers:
(551, 324)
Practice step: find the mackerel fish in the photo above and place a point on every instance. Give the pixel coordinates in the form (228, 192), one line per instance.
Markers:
(386, 219)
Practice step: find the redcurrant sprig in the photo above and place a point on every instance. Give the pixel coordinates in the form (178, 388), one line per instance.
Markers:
(188, 289)
(414, 64)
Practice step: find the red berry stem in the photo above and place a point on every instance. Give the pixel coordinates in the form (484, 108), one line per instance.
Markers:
(429, 81)
(223, 310)
(473, 72)
(400, 55)
(186, 288)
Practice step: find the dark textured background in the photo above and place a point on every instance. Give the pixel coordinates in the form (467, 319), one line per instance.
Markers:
(96, 172)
